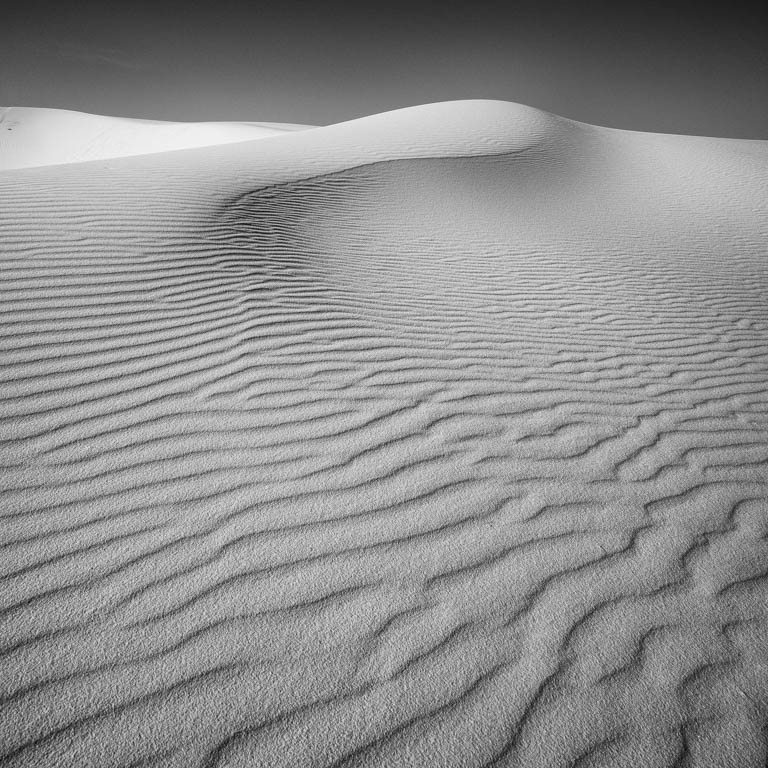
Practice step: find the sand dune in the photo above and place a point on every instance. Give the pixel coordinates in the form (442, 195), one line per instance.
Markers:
(31, 136)
(436, 438)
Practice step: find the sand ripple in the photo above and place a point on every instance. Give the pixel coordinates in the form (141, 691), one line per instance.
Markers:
(456, 461)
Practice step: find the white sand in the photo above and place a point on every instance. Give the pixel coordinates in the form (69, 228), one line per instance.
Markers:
(31, 136)
(436, 438)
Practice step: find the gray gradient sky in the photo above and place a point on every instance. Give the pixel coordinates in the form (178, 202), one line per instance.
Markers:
(677, 69)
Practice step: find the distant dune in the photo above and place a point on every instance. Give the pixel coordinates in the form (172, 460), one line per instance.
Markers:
(434, 438)
(31, 136)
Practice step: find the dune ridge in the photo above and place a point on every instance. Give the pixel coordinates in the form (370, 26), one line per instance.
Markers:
(438, 437)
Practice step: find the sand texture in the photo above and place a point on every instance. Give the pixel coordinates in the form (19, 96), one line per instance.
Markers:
(436, 438)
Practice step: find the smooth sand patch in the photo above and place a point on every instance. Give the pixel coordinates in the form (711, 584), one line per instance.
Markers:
(33, 136)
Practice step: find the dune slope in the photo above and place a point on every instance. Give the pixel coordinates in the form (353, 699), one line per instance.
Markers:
(437, 438)
(32, 136)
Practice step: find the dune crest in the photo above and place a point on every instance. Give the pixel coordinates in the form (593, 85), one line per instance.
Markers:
(438, 437)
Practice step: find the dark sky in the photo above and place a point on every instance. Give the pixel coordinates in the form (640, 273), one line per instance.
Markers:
(676, 69)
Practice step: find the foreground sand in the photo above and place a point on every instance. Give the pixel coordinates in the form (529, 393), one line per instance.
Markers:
(437, 438)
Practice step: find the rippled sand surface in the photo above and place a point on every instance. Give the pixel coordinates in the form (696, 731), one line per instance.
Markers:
(436, 438)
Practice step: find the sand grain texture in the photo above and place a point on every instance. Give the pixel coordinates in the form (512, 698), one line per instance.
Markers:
(437, 438)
